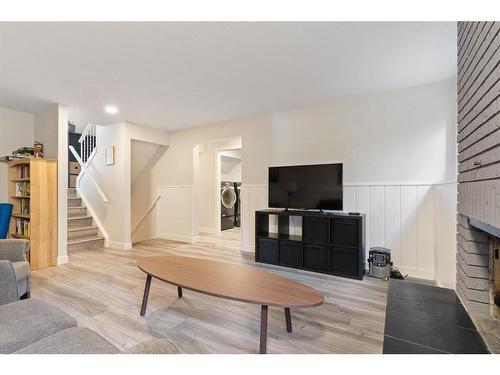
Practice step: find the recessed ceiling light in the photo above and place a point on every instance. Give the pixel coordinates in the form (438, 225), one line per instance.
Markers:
(111, 109)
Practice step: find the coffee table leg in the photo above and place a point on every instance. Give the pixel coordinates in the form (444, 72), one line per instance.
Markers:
(288, 319)
(263, 330)
(179, 291)
(146, 295)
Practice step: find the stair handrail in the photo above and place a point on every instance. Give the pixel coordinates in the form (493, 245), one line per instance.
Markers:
(150, 208)
(84, 169)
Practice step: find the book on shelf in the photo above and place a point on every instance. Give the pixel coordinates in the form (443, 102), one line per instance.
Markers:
(22, 227)
(25, 171)
(25, 206)
(22, 189)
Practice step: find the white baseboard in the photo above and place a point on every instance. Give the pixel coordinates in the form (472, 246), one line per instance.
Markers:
(438, 283)
(118, 245)
(207, 230)
(247, 248)
(62, 260)
(178, 238)
(418, 274)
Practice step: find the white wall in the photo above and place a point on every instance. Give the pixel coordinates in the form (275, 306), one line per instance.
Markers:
(114, 217)
(144, 155)
(16, 130)
(62, 183)
(230, 169)
(46, 131)
(51, 129)
(445, 229)
(399, 138)
(402, 136)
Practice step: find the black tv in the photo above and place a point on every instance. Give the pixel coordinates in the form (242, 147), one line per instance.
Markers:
(306, 187)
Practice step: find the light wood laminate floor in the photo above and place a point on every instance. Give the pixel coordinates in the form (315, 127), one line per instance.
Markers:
(102, 289)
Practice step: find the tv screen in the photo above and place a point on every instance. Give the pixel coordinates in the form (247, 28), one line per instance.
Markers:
(306, 187)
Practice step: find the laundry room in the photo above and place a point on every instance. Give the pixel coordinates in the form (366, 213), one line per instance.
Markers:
(230, 189)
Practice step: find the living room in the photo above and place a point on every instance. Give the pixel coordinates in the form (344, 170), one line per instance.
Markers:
(249, 187)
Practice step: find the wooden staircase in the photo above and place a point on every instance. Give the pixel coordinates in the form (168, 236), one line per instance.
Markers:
(82, 231)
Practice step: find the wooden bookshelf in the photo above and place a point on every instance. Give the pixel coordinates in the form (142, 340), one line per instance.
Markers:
(33, 193)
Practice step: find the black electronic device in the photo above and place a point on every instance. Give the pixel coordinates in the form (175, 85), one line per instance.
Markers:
(316, 186)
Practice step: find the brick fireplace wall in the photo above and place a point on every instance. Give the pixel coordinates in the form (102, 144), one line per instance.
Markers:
(478, 105)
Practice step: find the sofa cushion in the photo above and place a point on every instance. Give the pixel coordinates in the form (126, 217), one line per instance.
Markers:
(25, 322)
(75, 340)
(21, 269)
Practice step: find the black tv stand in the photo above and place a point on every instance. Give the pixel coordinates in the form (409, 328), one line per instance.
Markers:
(332, 243)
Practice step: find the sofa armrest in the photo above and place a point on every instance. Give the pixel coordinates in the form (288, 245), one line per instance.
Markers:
(8, 284)
(156, 346)
(15, 250)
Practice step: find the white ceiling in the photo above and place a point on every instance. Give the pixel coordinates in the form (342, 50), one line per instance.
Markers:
(178, 75)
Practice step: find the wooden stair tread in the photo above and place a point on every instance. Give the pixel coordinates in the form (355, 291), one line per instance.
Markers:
(79, 217)
(84, 240)
(76, 208)
(85, 227)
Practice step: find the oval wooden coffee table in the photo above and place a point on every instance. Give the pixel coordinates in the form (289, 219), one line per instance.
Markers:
(230, 281)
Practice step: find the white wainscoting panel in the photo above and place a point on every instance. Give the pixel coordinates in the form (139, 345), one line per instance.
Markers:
(393, 214)
(425, 229)
(350, 198)
(363, 198)
(445, 229)
(377, 216)
(253, 198)
(174, 216)
(393, 221)
(408, 228)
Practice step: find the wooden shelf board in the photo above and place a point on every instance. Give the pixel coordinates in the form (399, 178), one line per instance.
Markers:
(23, 197)
(22, 216)
(18, 162)
(21, 180)
(17, 235)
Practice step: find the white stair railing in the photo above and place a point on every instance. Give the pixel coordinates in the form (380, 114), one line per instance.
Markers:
(88, 149)
(88, 143)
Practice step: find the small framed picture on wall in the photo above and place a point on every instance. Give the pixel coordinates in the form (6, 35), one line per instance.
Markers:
(110, 155)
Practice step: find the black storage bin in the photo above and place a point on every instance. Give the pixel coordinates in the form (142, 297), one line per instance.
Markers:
(345, 261)
(345, 232)
(291, 253)
(316, 257)
(316, 229)
(267, 250)
(330, 243)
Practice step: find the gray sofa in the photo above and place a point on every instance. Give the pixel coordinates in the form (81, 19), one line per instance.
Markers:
(15, 252)
(33, 326)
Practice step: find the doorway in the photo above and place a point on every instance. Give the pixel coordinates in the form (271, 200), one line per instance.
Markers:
(217, 179)
(229, 175)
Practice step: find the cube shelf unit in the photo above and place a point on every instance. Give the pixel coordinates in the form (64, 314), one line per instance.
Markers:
(40, 208)
(329, 243)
